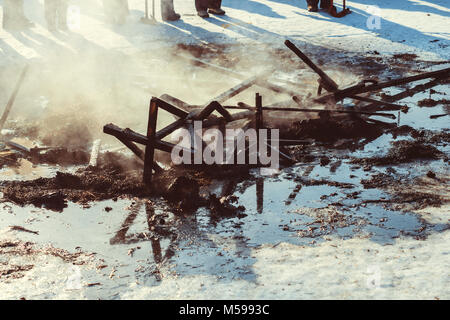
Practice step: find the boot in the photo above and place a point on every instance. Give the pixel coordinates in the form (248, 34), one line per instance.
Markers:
(168, 12)
(203, 14)
(173, 16)
(313, 5)
(217, 11)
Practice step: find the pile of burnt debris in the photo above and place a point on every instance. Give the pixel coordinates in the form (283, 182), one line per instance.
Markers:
(111, 175)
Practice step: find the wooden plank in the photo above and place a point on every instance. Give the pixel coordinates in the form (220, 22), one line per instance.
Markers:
(358, 89)
(130, 135)
(150, 146)
(170, 108)
(13, 97)
(326, 82)
(406, 93)
(170, 128)
(236, 90)
(378, 102)
(247, 107)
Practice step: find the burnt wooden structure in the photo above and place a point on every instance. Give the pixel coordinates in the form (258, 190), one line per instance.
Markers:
(185, 113)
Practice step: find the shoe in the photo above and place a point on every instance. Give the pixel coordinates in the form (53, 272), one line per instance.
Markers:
(172, 17)
(217, 11)
(313, 8)
(63, 26)
(203, 14)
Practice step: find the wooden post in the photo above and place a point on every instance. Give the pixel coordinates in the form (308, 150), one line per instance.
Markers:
(325, 81)
(150, 147)
(260, 195)
(258, 120)
(13, 98)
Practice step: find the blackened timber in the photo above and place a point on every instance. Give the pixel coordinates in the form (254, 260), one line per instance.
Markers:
(380, 103)
(210, 108)
(236, 90)
(345, 93)
(13, 97)
(150, 146)
(170, 108)
(223, 112)
(170, 128)
(247, 107)
(260, 82)
(133, 147)
(326, 81)
(235, 116)
(139, 153)
(131, 135)
(176, 102)
(259, 112)
(275, 88)
(379, 114)
(407, 93)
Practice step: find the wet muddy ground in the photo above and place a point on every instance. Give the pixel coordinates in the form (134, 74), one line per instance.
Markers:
(69, 230)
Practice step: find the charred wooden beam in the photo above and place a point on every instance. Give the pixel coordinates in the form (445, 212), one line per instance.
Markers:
(150, 146)
(130, 135)
(170, 108)
(247, 107)
(13, 97)
(260, 82)
(170, 128)
(176, 102)
(275, 88)
(353, 90)
(133, 147)
(436, 116)
(325, 81)
(379, 114)
(407, 93)
(378, 102)
(258, 113)
(236, 90)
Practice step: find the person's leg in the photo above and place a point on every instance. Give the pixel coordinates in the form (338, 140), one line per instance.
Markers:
(214, 4)
(122, 11)
(168, 12)
(14, 16)
(201, 5)
(202, 8)
(8, 14)
(62, 14)
(312, 5)
(214, 7)
(50, 14)
(325, 4)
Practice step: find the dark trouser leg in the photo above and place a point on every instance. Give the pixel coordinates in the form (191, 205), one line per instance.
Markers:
(62, 14)
(50, 13)
(204, 5)
(313, 3)
(167, 8)
(325, 4)
(215, 4)
(8, 13)
(13, 15)
(201, 5)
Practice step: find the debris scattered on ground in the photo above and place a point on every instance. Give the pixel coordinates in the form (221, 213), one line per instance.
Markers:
(403, 151)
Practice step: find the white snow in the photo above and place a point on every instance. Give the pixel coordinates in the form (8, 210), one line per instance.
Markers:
(412, 26)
